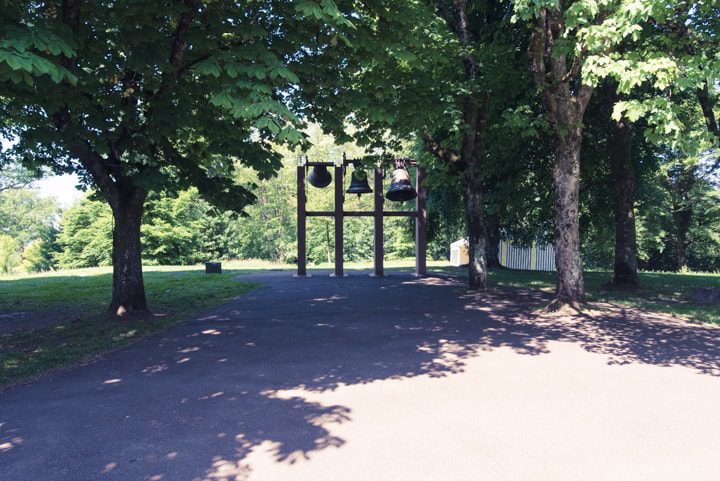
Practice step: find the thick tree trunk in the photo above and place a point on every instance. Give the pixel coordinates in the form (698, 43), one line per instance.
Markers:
(566, 176)
(492, 224)
(565, 98)
(477, 236)
(625, 268)
(128, 290)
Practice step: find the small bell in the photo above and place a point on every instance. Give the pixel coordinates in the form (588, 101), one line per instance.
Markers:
(320, 177)
(401, 189)
(359, 183)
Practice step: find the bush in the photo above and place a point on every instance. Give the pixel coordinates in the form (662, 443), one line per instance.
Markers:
(10, 257)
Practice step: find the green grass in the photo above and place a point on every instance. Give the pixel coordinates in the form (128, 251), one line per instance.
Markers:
(667, 292)
(77, 301)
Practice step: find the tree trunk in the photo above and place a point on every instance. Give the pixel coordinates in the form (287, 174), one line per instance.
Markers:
(128, 290)
(682, 214)
(492, 224)
(682, 187)
(566, 176)
(625, 268)
(477, 236)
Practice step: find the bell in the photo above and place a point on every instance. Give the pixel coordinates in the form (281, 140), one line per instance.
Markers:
(359, 183)
(320, 177)
(401, 189)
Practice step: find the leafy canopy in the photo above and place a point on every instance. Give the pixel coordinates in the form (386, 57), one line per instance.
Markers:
(164, 95)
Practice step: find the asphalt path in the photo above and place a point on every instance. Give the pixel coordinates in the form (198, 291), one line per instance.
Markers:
(396, 378)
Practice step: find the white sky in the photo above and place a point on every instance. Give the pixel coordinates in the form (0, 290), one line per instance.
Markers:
(62, 187)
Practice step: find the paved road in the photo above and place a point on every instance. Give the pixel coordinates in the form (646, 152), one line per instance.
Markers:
(380, 379)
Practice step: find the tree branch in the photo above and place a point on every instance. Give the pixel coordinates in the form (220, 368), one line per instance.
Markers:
(94, 164)
(178, 47)
(703, 95)
(464, 34)
(432, 146)
(536, 50)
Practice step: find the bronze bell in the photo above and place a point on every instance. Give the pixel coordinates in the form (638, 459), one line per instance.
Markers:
(359, 183)
(401, 189)
(320, 177)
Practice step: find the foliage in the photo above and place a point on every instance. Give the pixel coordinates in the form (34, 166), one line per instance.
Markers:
(14, 176)
(674, 58)
(169, 108)
(25, 215)
(85, 237)
(10, 257)
(158, 97)
(173, 229)
(657, 229)
(29, 49)
(39, 255)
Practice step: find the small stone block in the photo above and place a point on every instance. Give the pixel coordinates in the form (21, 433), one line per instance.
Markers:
(213, 268)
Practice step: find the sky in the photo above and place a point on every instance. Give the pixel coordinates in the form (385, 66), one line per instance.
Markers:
(62, 187)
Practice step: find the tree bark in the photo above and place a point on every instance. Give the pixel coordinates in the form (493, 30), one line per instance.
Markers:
(492, 226)
(566, 176)
(682, 180)
(565, 98)
(472, 151)
(706, 104)
(625, 267)
(477, 235)
(681, 216)
(128, 290)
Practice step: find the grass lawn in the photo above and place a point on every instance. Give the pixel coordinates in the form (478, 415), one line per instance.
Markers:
(74, 303)
(667, 292)
(68, 307)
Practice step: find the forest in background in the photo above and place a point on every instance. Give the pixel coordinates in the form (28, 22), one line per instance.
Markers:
(37, 235)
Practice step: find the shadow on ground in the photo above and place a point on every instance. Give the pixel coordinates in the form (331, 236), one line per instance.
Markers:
(193, 403)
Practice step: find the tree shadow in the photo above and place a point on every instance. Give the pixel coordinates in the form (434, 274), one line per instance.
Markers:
(194, 403)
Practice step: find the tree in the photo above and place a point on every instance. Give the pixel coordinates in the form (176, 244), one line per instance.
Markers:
(158, 96)
(13, 176)
(10, 257)
(620, 152)
(85, 237)
(38, 256)
(564, 35)
(26, 216)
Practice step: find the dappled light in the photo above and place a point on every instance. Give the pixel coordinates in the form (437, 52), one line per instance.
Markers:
(290, 378)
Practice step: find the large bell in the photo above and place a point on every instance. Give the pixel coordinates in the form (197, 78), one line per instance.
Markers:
(359, 183)
(401, 189)
(320, 177)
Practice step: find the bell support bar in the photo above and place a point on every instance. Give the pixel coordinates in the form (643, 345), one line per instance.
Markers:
(407, 162)
(356, 213)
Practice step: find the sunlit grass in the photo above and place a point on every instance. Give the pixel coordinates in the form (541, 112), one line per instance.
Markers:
(79, 298)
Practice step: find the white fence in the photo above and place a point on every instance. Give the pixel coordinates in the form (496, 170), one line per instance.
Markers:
(538, 257)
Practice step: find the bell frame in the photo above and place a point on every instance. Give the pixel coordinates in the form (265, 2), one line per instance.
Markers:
(378, 213)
